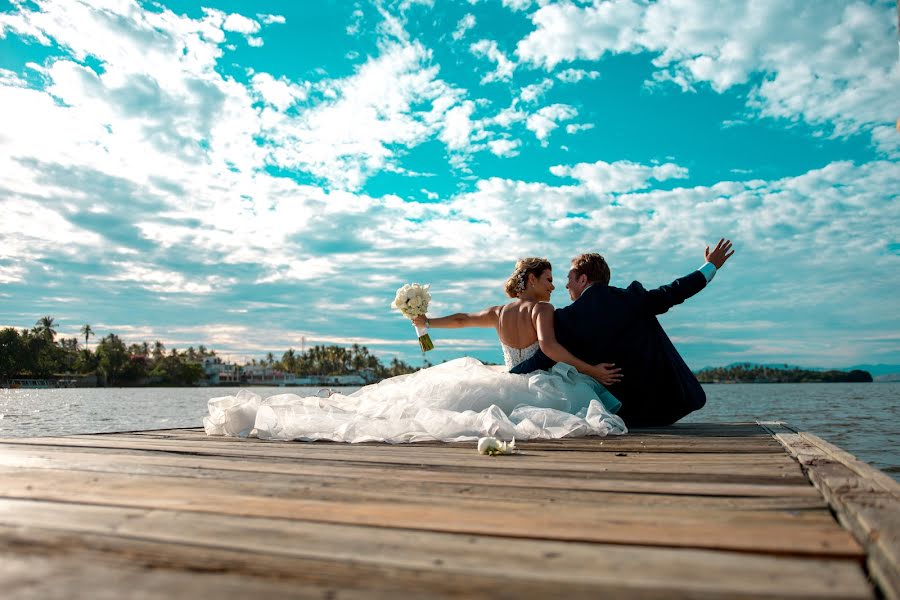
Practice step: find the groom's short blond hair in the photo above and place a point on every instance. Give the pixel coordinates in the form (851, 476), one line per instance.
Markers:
(593, 265)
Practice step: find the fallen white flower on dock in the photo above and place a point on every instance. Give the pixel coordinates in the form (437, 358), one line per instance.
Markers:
(493, 446)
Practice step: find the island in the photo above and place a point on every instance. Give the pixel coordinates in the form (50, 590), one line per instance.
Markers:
(753, 373)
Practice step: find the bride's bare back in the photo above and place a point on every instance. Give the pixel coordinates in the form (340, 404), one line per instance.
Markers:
(515, 325)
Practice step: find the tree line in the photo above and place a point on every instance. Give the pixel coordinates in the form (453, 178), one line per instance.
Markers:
(37, 353)
(751, 373)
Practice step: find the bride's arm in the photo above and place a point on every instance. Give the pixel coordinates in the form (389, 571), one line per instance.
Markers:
(542, 314)
(488, 317)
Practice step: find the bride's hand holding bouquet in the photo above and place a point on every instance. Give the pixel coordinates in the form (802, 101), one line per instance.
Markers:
(412, 300)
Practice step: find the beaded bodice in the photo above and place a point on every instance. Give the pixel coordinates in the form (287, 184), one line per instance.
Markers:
(513, 356)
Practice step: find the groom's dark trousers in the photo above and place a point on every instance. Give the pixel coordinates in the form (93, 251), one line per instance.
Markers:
(614, 325)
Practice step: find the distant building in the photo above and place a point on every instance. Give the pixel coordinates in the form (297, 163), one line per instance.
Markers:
(218, 372)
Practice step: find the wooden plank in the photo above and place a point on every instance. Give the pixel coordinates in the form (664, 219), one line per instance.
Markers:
(780, 533)
(747, 468)
(364, 485)
(627, 443)
(198, 464)
(624, 444)
(579, 461)
(437, 564)
(866, 501)
(78, 573)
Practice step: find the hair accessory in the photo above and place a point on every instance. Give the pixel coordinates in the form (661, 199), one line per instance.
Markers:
(521, 279)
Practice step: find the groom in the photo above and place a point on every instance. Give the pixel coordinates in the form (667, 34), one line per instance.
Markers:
(614, 325)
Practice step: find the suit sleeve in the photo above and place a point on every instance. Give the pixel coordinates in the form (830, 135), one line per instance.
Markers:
(660, 300)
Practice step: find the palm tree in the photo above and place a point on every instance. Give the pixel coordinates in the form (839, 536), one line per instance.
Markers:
(44, 326)
(289, 360)
(87, 332)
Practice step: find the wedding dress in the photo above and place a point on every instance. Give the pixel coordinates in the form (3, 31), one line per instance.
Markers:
(459, 400)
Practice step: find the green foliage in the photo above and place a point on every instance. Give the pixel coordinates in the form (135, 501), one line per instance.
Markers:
(36, 353)
(337, 360)
(11, 353)
(175, 369)
(112, 359)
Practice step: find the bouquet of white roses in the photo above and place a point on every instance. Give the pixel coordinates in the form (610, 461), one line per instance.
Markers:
(412, 300)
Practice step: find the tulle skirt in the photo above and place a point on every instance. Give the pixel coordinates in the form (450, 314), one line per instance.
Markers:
(460, 400)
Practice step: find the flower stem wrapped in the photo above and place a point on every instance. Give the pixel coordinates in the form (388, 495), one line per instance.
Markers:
(412, 300)
(424, 339)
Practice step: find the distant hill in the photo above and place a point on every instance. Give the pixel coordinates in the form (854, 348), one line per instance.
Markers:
(753, 373)
(879, 370)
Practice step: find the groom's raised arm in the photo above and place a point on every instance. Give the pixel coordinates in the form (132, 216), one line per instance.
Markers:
(665, 297)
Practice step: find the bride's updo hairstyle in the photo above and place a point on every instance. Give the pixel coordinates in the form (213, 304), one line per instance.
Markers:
(525, 267)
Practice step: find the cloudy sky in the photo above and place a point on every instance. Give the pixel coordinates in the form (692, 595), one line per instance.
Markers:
(257, 176)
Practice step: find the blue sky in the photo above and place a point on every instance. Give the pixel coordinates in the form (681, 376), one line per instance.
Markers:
(257, 176)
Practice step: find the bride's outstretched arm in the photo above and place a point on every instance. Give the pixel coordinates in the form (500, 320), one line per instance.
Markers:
(488, 317)
(605, 373)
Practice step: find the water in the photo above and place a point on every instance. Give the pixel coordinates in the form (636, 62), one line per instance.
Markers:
(862, 418)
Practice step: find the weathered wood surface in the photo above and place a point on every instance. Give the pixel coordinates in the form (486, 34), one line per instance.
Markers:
(866, 500)
(707, 511)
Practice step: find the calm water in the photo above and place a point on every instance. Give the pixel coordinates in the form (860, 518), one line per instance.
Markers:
(862, 418)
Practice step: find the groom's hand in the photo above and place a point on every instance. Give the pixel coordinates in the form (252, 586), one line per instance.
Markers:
(607, 373)
(721, 253)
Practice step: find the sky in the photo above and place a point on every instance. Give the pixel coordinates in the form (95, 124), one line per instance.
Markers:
(260, 176)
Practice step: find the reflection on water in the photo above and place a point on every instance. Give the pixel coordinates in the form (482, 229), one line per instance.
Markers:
(862, 418)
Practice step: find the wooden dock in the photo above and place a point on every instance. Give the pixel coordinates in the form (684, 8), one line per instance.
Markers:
(693, 510)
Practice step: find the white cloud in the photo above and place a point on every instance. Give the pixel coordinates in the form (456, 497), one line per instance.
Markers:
(566, 31)
(833, 67)
(240, 24)
(355, 23)
(602, 178)
(887, 140)
(534, 92)
(576, 75)
(162, 281)
(394, 99)
(458, 126)
(11, 79)
(545, 120)
(280, 93)
(504, 147)
(520, 5)
(507, 117)
(271, 19)
(464, 25)
(488, 49)
(576, 127)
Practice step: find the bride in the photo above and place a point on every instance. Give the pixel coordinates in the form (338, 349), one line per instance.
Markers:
(459, 400)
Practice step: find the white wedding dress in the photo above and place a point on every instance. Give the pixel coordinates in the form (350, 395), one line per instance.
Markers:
(460, 400)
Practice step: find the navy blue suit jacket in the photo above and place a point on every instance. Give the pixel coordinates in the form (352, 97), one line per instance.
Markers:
(614, 325)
